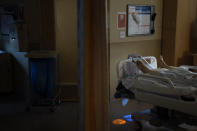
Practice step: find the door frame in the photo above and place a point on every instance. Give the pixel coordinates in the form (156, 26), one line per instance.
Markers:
(93, 52)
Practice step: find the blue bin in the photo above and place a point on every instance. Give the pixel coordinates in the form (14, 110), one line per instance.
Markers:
(42, 73)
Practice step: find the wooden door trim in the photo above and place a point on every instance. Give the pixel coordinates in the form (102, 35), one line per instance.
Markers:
(96, 67)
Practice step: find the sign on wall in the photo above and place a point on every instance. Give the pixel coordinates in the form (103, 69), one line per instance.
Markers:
(121, 20)
(140, 20)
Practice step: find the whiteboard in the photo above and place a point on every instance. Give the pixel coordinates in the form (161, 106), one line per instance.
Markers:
(140, 20)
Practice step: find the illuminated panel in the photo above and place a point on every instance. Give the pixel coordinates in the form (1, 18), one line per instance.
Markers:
(124, 102)
(119, 122)
(128, 118)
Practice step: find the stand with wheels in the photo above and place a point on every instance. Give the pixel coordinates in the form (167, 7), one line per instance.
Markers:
(43, 90)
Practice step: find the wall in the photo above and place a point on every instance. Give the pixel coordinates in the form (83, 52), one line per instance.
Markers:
(169, 30)
(193, 40)
(40, 24)
(66, 39)
(176, 37)
(186, 14)
(141, 45)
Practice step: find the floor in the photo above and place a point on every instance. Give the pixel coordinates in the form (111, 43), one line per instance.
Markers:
(119, 111)
(13, 117)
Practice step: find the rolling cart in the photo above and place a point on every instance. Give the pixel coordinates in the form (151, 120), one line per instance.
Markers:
(43, 90)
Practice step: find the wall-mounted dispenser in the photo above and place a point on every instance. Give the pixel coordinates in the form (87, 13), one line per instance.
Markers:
(12, 26)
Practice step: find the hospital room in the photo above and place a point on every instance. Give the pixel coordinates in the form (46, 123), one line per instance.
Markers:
(152, 50)
(98, 65)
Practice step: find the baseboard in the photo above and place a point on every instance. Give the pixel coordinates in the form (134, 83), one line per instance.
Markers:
(69, 92)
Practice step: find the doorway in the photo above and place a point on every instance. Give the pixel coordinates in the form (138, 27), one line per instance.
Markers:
(40, 30)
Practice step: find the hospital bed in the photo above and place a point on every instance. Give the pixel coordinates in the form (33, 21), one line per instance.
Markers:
(173, 89)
